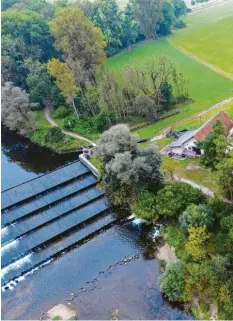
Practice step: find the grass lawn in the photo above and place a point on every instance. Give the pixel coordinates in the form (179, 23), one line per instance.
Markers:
(65, 145)
(198, 121)
(192, 170)
(206, 86)
(209, 35)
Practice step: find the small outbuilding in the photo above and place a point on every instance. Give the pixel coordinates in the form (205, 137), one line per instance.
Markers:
(186, 145)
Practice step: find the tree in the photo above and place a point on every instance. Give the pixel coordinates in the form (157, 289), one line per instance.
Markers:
(114, 141)
(168, 18)
(197, 216)
(39, 82)
(194, 246)
(147, 13)
(214, 146)
(145, 206)
(80, 41)
(42, 7)
(54, 135)
(173, 282)
(126, 169)
(180, 8)
(31, 32)
(225, 175)
(16, 110)
(225, 237)
(64, 80)
(173, 199)
(129, 27)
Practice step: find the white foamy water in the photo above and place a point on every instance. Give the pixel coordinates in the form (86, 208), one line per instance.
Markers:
(5, 230)
(138, 221)
(131, 217)
(12, 284)
(9, 246)
(16, 265)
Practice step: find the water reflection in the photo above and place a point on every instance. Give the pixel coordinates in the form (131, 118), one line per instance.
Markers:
(21, 160)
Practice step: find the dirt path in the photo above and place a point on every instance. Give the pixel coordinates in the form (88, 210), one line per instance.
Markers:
(167, 129)
(203, 62)
(66, 132)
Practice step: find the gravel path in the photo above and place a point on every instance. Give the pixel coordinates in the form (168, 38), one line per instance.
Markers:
(66, 132)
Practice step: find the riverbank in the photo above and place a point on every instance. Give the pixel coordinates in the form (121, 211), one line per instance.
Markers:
(66, 145)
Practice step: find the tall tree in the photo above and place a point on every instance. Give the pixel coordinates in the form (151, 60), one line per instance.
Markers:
(225, 168)
(39, 82)
(64, 81)
(214, 146)
(147, 13)
(16, 109)
(31, 32)
(81, 42)
(129, 27)
(42, 7)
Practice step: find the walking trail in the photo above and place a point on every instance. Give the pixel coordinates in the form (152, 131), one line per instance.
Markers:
(66, 132)
(203, 62)
(167, 129)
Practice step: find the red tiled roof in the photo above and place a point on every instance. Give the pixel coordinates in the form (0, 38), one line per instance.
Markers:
(207, 127)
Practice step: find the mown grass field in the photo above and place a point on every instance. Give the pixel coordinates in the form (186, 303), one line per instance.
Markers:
(199, 120)
(209, 35)
(206, 86)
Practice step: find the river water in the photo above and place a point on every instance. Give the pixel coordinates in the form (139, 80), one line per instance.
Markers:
(113, 274)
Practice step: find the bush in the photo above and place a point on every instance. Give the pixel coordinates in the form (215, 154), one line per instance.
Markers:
(61, 112)
(197, 216)
(180, 24)
(173, 282)
(145, 207)
(193, 2)
(54, 135)
(173, 199)
(70, 122)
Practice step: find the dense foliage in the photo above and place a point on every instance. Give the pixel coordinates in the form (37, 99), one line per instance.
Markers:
(127, 169)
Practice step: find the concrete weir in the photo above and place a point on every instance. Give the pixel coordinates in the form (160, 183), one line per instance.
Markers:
(49, 215)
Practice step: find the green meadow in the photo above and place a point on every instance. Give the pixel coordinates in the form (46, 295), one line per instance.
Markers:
(209, 35)
(206, 86)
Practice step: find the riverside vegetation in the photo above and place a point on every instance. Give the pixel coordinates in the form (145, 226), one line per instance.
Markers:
(54, 55)
(200, 229)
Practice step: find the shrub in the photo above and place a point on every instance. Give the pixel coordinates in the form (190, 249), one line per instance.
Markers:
(145, 206)
(180, 24)
(194, 246)
(70, 122)
(196, 215)
(173, 199)
(173, 282)
(61, 112)
(193, 2)
(54, 135)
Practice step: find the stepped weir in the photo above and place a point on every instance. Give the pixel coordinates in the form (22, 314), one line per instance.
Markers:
(46, 216)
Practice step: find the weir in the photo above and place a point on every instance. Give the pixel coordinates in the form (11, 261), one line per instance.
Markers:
(46, 216)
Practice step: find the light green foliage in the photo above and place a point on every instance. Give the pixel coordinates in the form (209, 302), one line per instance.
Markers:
(81, 43)
(194, 246)
(173, 199)
(145, 206)
(197, 216)
(61, 112)
(173, 282)
(175, 238)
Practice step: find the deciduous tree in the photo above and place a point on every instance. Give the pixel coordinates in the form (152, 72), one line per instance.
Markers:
(194, 246)
(16, 110)
(64, 80)
(80, 41)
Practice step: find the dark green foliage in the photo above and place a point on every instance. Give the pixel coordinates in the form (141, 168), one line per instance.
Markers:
(214, 146)
(54, 135)
(168, 18)
(225, 236)
(179, 24)
(173, 282)
(61, 112)
(197, 216)
(70, 122)
(173, 199)
(167, 95)
(6, 4)
(145, 206)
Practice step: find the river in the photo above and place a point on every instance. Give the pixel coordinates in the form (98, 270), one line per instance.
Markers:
(100, 277)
